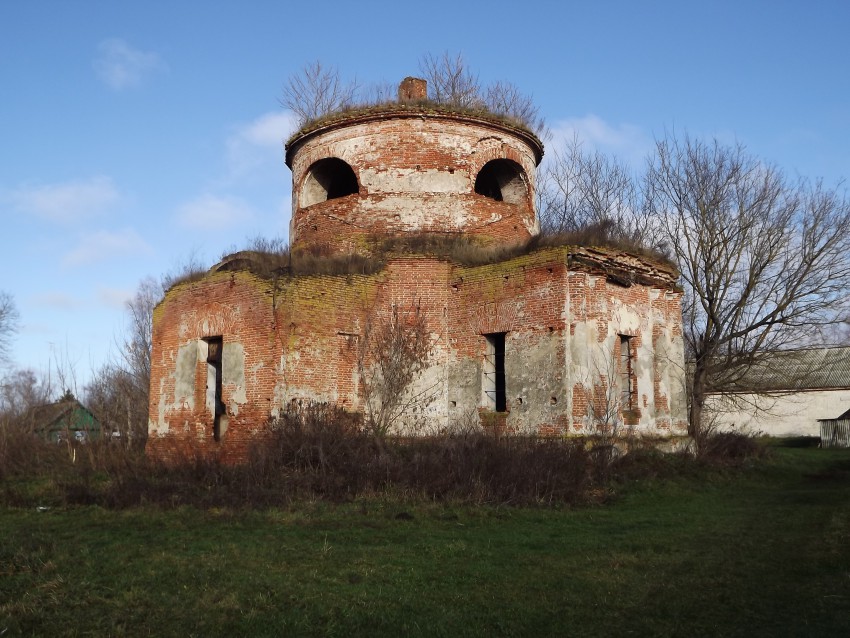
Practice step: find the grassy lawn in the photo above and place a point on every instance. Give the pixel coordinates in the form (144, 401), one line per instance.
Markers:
(763, 551)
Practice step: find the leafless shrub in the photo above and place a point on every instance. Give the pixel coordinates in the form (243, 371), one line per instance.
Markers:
(317, 90)
(311, 436)
(393, 354)
(506, 470)
(506, 98)
(380, 93)
(730, 447)
(450, 80)
(320, 452)
(25, 454)
(192, 269)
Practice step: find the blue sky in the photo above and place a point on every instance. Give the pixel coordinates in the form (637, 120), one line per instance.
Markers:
(135, 135)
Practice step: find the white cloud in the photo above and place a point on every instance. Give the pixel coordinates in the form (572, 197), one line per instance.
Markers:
(103, 245)
(56, 301)
(65, 202)
(209, 212)
(259, 143)
(114, 297)
(628, 142)
(121, 66)
(270, 129)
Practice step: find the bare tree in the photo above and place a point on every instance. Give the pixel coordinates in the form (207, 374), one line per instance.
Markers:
(8, 324)
(317, 90)
(20, 391)
(764, 261)
(450, 80)
(119, 392)
(394, 352)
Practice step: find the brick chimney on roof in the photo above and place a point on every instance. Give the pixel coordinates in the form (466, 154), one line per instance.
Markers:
(412, 90)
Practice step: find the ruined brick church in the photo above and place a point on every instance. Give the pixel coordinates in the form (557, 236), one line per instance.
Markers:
(558, 340)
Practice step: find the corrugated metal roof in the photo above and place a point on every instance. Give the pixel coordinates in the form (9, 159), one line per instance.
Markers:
(807, 369)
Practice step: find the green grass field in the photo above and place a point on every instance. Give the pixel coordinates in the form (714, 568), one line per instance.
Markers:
(759, 551)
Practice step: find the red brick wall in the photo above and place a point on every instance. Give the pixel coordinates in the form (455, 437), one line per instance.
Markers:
(300, 340)
(415, 175)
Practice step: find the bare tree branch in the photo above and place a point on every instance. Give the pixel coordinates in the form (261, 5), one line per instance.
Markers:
(8, 324)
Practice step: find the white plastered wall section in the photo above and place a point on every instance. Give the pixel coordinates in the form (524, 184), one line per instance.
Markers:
(783, 415)
(184, 372)
(593, 364)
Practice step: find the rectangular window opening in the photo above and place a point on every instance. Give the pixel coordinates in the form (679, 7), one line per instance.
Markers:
(627, 377)
(214, 401)
(493, 382)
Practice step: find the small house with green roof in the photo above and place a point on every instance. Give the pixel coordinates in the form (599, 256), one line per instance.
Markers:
(66, 420)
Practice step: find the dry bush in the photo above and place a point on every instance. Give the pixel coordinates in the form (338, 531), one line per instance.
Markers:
(481, 468)
(192, 269)
(266, 257)
(319, 451)
(316, 450)
(730, 447)
(23, 454)
(469, 252)
(599, 235)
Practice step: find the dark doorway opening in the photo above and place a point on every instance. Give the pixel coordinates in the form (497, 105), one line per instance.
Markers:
(214, 361)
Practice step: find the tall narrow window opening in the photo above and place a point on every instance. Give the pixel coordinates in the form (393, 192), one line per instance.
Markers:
(495, 396)
(214, 400)
(627, 378)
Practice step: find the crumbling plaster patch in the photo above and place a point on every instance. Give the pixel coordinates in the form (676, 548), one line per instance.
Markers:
(233, 376)
(184, 376)
(409, 181)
